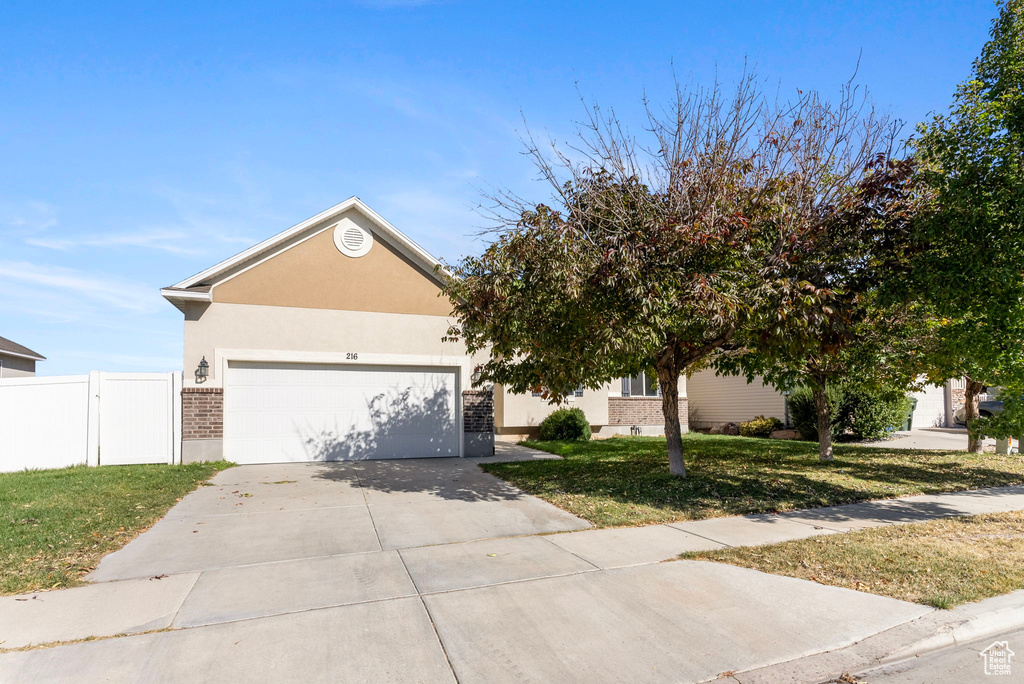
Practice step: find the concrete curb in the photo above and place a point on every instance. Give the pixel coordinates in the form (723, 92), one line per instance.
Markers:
(969, 623)
(936, 630)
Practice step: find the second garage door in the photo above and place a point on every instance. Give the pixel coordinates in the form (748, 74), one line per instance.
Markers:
(277, 412)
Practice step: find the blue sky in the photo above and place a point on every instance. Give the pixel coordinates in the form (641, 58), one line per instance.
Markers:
(143, 142)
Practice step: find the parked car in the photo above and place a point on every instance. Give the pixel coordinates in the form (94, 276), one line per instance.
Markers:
(986, 409)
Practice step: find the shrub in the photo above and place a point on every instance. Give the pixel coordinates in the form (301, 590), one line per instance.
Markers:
(760, 426)
(805, 417)
(865, 414)
(872, 415)
(565, 424)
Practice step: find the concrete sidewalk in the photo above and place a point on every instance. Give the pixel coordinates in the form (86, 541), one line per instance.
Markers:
(301, 594)
(665, 622)
(224, 593)
(943, 439)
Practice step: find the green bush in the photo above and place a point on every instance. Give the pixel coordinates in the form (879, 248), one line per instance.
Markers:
(864, 414)
(760, 426)
(873, 415)
(805, 417)
(565, 424)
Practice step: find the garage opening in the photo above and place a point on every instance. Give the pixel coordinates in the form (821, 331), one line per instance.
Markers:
(293, 412)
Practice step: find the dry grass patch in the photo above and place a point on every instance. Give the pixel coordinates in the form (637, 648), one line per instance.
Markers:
(940, 563)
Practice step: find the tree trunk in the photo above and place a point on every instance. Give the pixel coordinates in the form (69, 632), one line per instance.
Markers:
(668, 380)
(824, 412)
(971, 414)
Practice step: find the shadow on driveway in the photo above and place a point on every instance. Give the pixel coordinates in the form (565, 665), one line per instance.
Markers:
(450, 479)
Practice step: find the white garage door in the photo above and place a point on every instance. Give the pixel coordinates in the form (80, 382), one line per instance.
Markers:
(931, 407)
(280, 412)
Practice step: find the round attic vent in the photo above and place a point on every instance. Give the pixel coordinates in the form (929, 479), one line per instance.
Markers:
(350, 239)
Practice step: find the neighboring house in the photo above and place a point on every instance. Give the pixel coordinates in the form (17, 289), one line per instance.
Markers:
(626, 406)
(325, 342)
(717, 399)
(17, 361)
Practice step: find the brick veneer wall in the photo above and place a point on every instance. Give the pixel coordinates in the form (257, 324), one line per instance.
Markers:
(478, 411)
(959, 398)
(641, 411)
(202, 413)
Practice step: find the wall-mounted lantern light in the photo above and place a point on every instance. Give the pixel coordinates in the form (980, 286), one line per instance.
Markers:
(476, 376)
(202, 372)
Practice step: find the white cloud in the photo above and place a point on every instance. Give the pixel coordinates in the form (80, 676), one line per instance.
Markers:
(31, 216)
(72, 284)
(124, 361)
(161, 240)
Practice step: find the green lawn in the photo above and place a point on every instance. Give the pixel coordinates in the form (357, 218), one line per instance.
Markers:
(941, 563)
(55, 525)
(625, 480)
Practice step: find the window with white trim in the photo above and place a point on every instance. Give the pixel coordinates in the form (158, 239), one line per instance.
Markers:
(642, 385)
(578, 392)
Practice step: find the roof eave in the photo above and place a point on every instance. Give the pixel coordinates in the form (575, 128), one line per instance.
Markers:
(179, 298)
(31, 357)
(399, 239)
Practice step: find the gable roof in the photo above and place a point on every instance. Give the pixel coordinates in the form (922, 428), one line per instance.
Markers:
(200, 286)
(10, 348)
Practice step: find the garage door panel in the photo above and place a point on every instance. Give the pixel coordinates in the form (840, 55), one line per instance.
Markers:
(931, 407)
(312, 412)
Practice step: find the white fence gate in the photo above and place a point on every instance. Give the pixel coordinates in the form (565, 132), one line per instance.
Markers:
(95, 419)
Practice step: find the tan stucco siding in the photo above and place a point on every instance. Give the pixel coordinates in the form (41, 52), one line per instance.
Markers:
(219, 330)
(527, 411)
(720, 399)
(16, 367)
(313, 274)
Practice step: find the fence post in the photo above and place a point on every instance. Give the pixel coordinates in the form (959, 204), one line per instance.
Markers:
(176, 382)
(92, 442)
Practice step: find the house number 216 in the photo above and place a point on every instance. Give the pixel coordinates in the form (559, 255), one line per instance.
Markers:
(351, 356)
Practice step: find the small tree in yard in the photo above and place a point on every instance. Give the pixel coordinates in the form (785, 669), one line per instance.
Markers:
(845, 206)
(972, 245)
(961, 347)
(648, 258)
(854, 346)
(637, 266)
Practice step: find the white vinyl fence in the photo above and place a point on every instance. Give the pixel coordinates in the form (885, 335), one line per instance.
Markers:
(95, 419)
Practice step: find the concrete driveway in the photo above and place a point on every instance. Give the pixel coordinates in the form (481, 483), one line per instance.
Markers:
(944, 439)
(269, 513)
(421, 571)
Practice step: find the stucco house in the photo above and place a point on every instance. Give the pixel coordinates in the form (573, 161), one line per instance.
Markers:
(715, 399)
(324, 342)
(17, 361)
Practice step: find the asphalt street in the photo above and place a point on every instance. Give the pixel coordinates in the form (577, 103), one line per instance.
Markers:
(958, 665)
